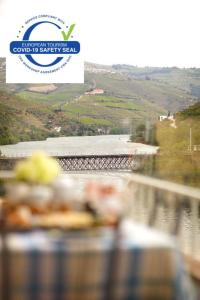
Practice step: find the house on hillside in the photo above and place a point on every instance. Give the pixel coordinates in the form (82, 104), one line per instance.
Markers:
(166, 117)
(169, 117)
(95, 92)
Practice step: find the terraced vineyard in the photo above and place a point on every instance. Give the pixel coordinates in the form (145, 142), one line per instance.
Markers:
(130, 96)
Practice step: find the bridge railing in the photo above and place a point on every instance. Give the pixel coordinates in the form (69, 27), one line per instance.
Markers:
(169, 207)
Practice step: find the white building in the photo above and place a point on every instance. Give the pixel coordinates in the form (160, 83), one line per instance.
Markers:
(168, 117)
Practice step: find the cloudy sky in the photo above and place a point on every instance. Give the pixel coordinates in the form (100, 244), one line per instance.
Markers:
(137, 32)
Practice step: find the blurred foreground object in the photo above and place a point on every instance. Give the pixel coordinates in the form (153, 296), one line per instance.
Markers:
(134, 263)
(66, 203)
(39, 168)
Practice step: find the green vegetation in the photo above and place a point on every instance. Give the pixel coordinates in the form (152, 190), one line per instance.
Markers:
(177, 161)
(88, 120)
(192, 112)
(16, 124)
(138, 136)
(64, 93)
(131, 97)
(158, 92)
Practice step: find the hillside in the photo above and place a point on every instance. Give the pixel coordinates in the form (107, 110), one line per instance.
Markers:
(191, 112)
(159, 94)
(110, 101)
(179, 153)
(17, 122)
(183, 79)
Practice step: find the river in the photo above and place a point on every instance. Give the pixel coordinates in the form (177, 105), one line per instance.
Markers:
(79, 145)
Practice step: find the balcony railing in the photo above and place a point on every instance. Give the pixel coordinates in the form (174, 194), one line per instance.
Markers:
(170, 207)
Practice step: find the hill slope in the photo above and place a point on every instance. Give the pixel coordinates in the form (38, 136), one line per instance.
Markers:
(128, 95)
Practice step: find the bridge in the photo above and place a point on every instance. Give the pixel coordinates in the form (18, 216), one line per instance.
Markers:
(89, 162)
(103, 152)
(101, 162)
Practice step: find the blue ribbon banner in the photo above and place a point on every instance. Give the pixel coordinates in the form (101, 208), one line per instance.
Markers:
(44, 47)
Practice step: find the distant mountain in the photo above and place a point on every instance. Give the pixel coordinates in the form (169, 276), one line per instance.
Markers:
(167, 88)
(113, 100)
(187, 79)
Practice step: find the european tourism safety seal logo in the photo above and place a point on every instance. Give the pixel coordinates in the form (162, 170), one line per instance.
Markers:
(45, 44)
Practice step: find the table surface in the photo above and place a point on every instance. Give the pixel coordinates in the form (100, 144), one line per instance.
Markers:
(132, 263)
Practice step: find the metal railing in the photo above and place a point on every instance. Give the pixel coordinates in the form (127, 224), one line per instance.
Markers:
(169, 207)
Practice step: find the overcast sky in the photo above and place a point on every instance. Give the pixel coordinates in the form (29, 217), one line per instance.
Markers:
(137, 32)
